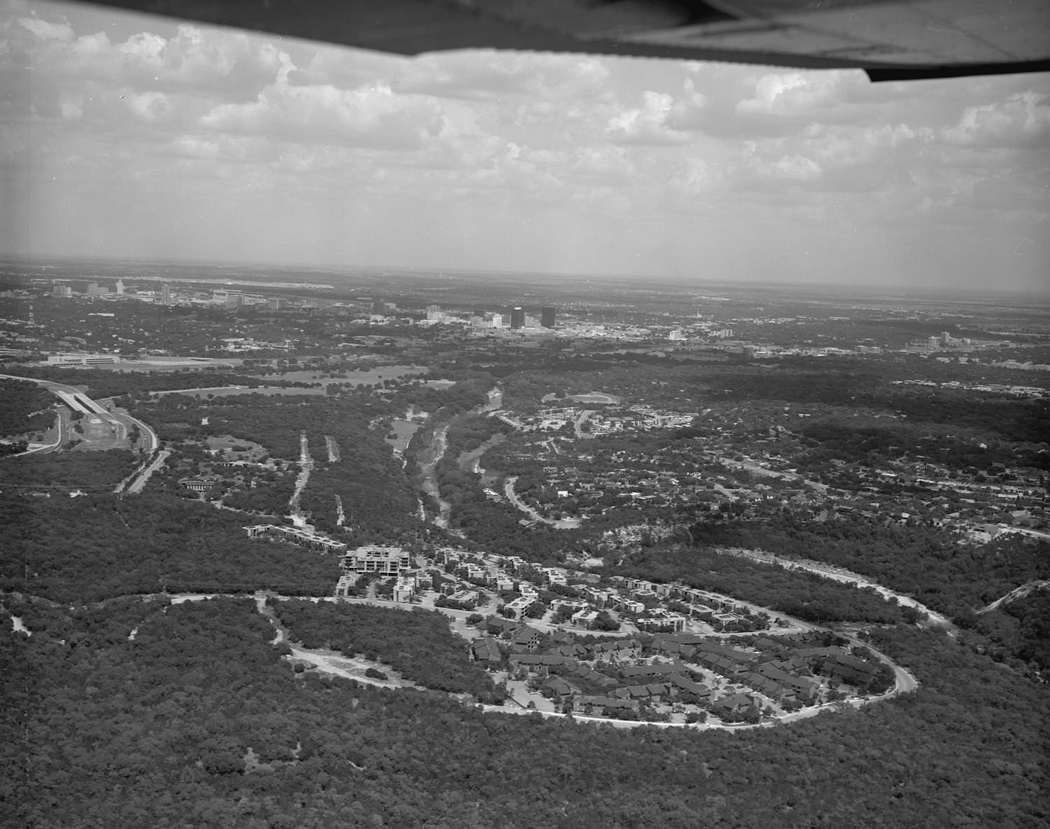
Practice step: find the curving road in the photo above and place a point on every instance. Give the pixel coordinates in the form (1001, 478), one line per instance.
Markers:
(345, 667)
(521, 506)
(77, 400)
(839, 574)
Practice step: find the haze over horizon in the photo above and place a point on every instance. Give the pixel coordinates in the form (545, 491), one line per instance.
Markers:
(129, 136)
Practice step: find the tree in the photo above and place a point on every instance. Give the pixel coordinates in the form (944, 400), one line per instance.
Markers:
(605, 622)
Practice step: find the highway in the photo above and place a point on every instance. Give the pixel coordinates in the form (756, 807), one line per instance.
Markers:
(78, 401)
(60, 429)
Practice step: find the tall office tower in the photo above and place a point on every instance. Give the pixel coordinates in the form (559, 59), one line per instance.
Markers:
(60, 290)
(234, 299)
(119, 287)
(547, 316)
(165, 294)
(517, 317)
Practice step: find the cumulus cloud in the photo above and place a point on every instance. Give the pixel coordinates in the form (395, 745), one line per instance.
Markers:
(490, 75)
(486, 141)
(606, 165)
(46, 30)
(212, 62)
(149, 106)
(647, 125)
(1023, 119)
(370, 117)
(796, 93)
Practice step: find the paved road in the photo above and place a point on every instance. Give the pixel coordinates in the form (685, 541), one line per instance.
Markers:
(79, 401)
(339, 665)
(521, 506)
(60, 430)
(140, 477)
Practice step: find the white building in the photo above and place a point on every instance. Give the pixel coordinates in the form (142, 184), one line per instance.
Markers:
(383, 561)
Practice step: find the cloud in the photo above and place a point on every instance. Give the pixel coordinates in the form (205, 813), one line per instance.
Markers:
(480, 145)
(371, 117)
(1021, 120)
(46, 30)
(491, 75)
(150, 106)
(216, 63)
(647, 125)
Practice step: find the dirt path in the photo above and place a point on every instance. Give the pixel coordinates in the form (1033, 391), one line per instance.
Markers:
(1016, 593)
(436, 451)
(306, 465)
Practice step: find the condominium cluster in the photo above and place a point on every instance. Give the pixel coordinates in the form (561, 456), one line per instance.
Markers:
(375, 561)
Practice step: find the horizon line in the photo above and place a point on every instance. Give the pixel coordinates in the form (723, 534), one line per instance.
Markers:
(438, 269)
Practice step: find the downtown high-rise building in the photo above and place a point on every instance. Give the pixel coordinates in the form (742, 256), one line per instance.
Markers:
(547, 316)
(165, 294)
(517, 317)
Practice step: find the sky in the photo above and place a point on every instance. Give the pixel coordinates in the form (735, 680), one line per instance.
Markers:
(131, 136)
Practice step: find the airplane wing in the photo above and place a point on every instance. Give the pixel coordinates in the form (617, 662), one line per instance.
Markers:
(890, 39)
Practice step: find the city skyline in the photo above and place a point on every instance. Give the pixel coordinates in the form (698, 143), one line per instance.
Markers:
(129, 136)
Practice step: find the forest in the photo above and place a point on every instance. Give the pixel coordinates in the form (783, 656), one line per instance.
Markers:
(795, 592)
(416, 643)
(1017, 632)
(873, 445)
(855, 384)
(97, 546)
(24, 407)
(196, 720)
(69, 471)
(923, 562)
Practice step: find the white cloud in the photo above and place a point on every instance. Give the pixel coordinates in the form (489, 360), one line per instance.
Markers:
(150, 106)
(490, 75)
(46, 30)
(795, 93)
(648, 124)
(371, 117)
(1022, 119)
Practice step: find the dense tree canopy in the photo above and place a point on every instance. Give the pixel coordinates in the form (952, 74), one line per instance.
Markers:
(98, 546)
(197, 721)
(24, 407)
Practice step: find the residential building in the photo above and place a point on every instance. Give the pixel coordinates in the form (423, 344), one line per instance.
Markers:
(521, 605)
(486, 649)
(383, 561)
